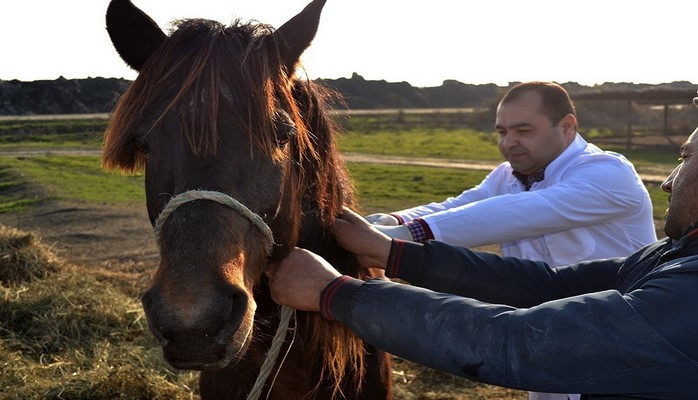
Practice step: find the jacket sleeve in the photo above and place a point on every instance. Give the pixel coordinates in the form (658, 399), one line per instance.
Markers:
(590, 343)
(488, 277)
(588, 194)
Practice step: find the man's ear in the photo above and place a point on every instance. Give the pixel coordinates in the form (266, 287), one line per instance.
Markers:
(569, 124)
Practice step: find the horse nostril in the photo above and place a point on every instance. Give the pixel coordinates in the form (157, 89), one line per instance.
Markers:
(147, 301)
(215, 316)
(234, 313)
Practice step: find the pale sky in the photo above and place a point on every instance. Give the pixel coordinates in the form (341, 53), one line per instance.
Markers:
(422, 42)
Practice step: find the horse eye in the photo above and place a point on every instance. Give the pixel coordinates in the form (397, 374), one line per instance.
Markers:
(285, 129)
(284, 134)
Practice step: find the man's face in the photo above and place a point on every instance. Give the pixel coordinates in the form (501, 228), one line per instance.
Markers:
(682, 185)
(527, 138)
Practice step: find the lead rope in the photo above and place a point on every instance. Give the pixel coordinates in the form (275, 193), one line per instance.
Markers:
(286, 312)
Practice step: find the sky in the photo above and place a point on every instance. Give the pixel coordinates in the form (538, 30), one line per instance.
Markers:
(423, 42)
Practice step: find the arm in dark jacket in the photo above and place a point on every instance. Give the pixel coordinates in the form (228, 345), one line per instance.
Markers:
(641, 343)
(494, 279)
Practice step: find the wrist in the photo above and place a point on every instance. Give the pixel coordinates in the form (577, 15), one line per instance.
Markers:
(330, 294)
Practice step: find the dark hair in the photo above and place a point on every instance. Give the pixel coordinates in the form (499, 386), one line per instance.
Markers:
(555, 101)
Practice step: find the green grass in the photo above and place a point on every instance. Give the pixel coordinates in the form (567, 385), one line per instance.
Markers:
(460, 143)
(64, 178)
(383, 187)
(79, 133)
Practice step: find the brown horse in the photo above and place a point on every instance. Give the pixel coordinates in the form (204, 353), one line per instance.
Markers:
(219, 108)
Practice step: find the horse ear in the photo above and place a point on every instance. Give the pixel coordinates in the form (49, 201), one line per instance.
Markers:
(298, 32)
(134, 34)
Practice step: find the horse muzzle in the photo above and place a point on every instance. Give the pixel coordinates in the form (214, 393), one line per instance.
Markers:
(200, 333)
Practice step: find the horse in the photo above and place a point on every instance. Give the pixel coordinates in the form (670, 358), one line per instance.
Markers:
(220, 110)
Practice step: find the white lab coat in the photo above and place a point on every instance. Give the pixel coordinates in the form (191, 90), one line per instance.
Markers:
(592, 204)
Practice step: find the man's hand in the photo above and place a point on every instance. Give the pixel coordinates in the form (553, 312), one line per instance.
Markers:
(357, 236)
(382, 219)
(298, 280)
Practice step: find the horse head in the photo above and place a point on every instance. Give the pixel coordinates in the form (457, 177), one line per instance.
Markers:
(213, 108)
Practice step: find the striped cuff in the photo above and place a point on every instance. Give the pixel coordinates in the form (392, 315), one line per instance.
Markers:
(393, 267)
(328, 294)
(420, 230)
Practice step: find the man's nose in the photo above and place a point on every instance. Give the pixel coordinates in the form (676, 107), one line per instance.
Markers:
(669, 181)
(508, 140)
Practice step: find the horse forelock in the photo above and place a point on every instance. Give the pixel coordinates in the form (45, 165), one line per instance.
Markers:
(204, 70)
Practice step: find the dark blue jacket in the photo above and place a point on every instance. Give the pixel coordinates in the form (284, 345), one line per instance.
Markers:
(616, 328)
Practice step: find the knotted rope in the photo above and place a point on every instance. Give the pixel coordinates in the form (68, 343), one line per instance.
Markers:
(286, 312)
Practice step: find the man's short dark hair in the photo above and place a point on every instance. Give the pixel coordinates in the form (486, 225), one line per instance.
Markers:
(555, 100)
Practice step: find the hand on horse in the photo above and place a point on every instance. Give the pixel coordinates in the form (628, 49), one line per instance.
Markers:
(382, 219)
(356, 235)
(298, 280)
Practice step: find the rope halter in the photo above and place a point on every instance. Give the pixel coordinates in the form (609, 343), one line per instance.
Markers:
(286, 312)
(221, 198)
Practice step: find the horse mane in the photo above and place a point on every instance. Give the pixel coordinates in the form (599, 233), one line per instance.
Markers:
(206, 70)
(200, 68)
(327, 191)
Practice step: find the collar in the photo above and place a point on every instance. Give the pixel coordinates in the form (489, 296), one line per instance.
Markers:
(529, 180)
(686, 245)
(691, 231)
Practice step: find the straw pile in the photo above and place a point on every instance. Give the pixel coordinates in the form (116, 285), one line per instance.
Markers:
(64, 334)
(22, 258)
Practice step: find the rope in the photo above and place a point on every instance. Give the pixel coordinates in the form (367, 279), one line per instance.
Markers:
(272, 354)
(221, 198)
(286, 312)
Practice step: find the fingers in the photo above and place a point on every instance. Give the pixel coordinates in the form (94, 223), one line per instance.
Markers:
(349, 215)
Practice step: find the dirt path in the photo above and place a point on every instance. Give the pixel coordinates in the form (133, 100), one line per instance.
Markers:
(90, 234)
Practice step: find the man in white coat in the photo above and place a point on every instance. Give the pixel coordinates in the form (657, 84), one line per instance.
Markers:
(556, 199)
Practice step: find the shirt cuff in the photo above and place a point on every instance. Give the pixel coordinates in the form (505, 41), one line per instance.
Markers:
(339, 292)
(402, 255)
(420, 230)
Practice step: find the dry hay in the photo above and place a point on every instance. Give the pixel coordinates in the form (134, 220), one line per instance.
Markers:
(64, 334)
(68, 332)
(416, 382)
(22, 258)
